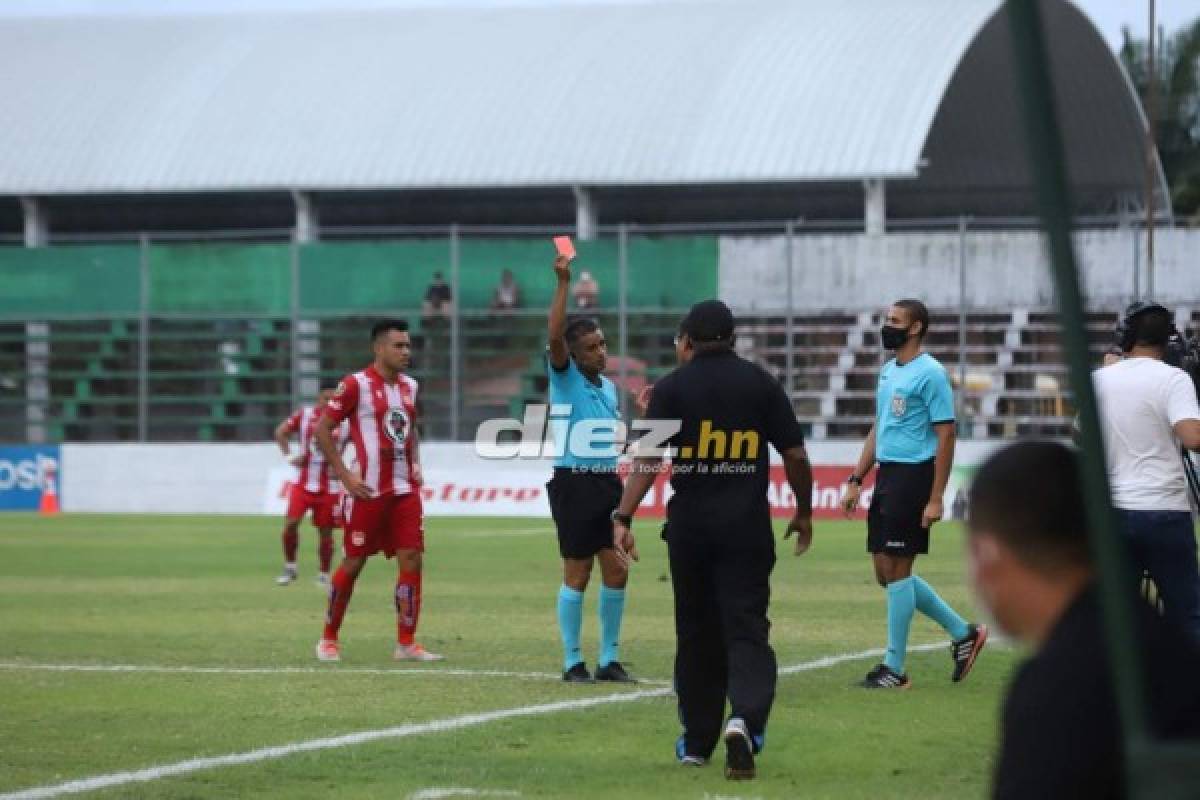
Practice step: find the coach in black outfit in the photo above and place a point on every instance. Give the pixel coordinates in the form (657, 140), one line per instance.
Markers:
(719, 536)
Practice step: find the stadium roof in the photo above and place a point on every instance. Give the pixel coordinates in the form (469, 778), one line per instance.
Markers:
(718, 92)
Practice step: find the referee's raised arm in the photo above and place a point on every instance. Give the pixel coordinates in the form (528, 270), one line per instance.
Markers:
(557, 325)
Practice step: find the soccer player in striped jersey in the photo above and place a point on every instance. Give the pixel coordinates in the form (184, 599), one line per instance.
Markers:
(383, 501)
(315, 489)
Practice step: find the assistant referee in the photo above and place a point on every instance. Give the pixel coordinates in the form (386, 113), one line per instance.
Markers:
(718, 532)
(913, 441)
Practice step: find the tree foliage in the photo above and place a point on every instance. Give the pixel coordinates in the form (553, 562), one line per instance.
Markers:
(1177, 114)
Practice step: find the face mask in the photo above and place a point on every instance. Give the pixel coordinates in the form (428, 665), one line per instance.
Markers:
(893, 338)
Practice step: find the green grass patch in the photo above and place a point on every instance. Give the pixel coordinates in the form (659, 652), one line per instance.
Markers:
(198, 592)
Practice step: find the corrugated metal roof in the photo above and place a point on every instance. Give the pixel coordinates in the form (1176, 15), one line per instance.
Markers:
(673, 93)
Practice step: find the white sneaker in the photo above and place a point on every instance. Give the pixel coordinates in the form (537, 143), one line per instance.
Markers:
(414, 652)
(328, 650)
(286, 577)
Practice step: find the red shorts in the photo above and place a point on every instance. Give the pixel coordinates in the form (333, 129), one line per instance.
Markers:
(301, 501)
(383, 524)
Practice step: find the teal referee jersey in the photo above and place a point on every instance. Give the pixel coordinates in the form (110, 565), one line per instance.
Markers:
(909, 400)
(588, 402)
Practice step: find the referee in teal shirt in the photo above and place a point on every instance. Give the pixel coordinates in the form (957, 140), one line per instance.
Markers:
(585, 488)
(913, 442)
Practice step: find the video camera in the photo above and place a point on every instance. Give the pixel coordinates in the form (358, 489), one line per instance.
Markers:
(1183, 351)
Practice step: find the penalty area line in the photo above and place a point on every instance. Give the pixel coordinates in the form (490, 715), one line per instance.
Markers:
(398, 732)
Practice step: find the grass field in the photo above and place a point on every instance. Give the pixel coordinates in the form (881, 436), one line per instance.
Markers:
(221, 663)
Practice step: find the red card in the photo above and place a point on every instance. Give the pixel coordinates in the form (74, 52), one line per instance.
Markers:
(564, 246)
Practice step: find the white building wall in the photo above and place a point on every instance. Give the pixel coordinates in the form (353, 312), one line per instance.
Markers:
(1004, 270)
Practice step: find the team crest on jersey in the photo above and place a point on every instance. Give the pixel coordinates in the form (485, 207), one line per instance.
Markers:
(358, 538)
(396, 424)
(899, 404)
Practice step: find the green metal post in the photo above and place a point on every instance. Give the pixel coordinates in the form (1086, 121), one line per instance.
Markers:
(1046, 153)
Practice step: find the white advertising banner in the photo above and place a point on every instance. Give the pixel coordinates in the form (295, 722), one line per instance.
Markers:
(254, 479)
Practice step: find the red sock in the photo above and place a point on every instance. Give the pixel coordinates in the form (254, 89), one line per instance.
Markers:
(339, 599)
(325, 551)
(291, 538)
(408, 606)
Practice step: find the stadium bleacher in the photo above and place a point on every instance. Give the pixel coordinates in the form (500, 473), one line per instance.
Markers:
(232, 378)
(219, 340)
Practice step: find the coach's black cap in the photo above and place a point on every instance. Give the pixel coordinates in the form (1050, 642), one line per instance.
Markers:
(709, 321)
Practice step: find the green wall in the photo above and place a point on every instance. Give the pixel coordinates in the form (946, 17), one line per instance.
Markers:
(221, 278)
(335, 277)
(99, 280)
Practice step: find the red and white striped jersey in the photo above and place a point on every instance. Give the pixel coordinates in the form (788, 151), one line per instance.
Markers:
(382, 418)
(315, 473)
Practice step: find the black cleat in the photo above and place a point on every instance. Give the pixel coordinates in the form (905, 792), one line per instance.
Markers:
(965, 650)
(739, 751)
(578, 674)
(614, 673)
(884, 677)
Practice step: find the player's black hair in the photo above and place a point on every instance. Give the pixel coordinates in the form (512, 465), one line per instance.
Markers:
(917, 312)
(327, 383)
(1028, 495)
(581, 326)
(385, 325)
(1152, 327)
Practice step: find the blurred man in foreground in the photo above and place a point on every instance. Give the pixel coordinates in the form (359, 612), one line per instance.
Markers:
(1030, 565)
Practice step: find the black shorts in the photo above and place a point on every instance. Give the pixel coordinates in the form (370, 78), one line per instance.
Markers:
(582, 503)
(894, 519)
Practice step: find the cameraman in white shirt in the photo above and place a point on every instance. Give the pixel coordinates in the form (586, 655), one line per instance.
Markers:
(1148, 409)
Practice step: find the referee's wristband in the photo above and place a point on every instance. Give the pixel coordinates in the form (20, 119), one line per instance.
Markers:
(854, 480)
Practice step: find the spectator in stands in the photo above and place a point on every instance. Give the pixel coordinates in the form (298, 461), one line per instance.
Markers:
(1031, 566)
(586, 291)
(439, 303)
(507, 295)
(1148, 409)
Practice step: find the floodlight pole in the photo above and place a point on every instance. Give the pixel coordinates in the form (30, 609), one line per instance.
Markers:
(1151, 134)
(789, 232)
(962, 321)
(622, 314)
(143, 407)
(294, 316)
(455, 333)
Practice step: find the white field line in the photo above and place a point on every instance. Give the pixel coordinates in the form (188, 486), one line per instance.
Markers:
(190, 670)
(135, 669)
(399, 732)
(438, 793)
